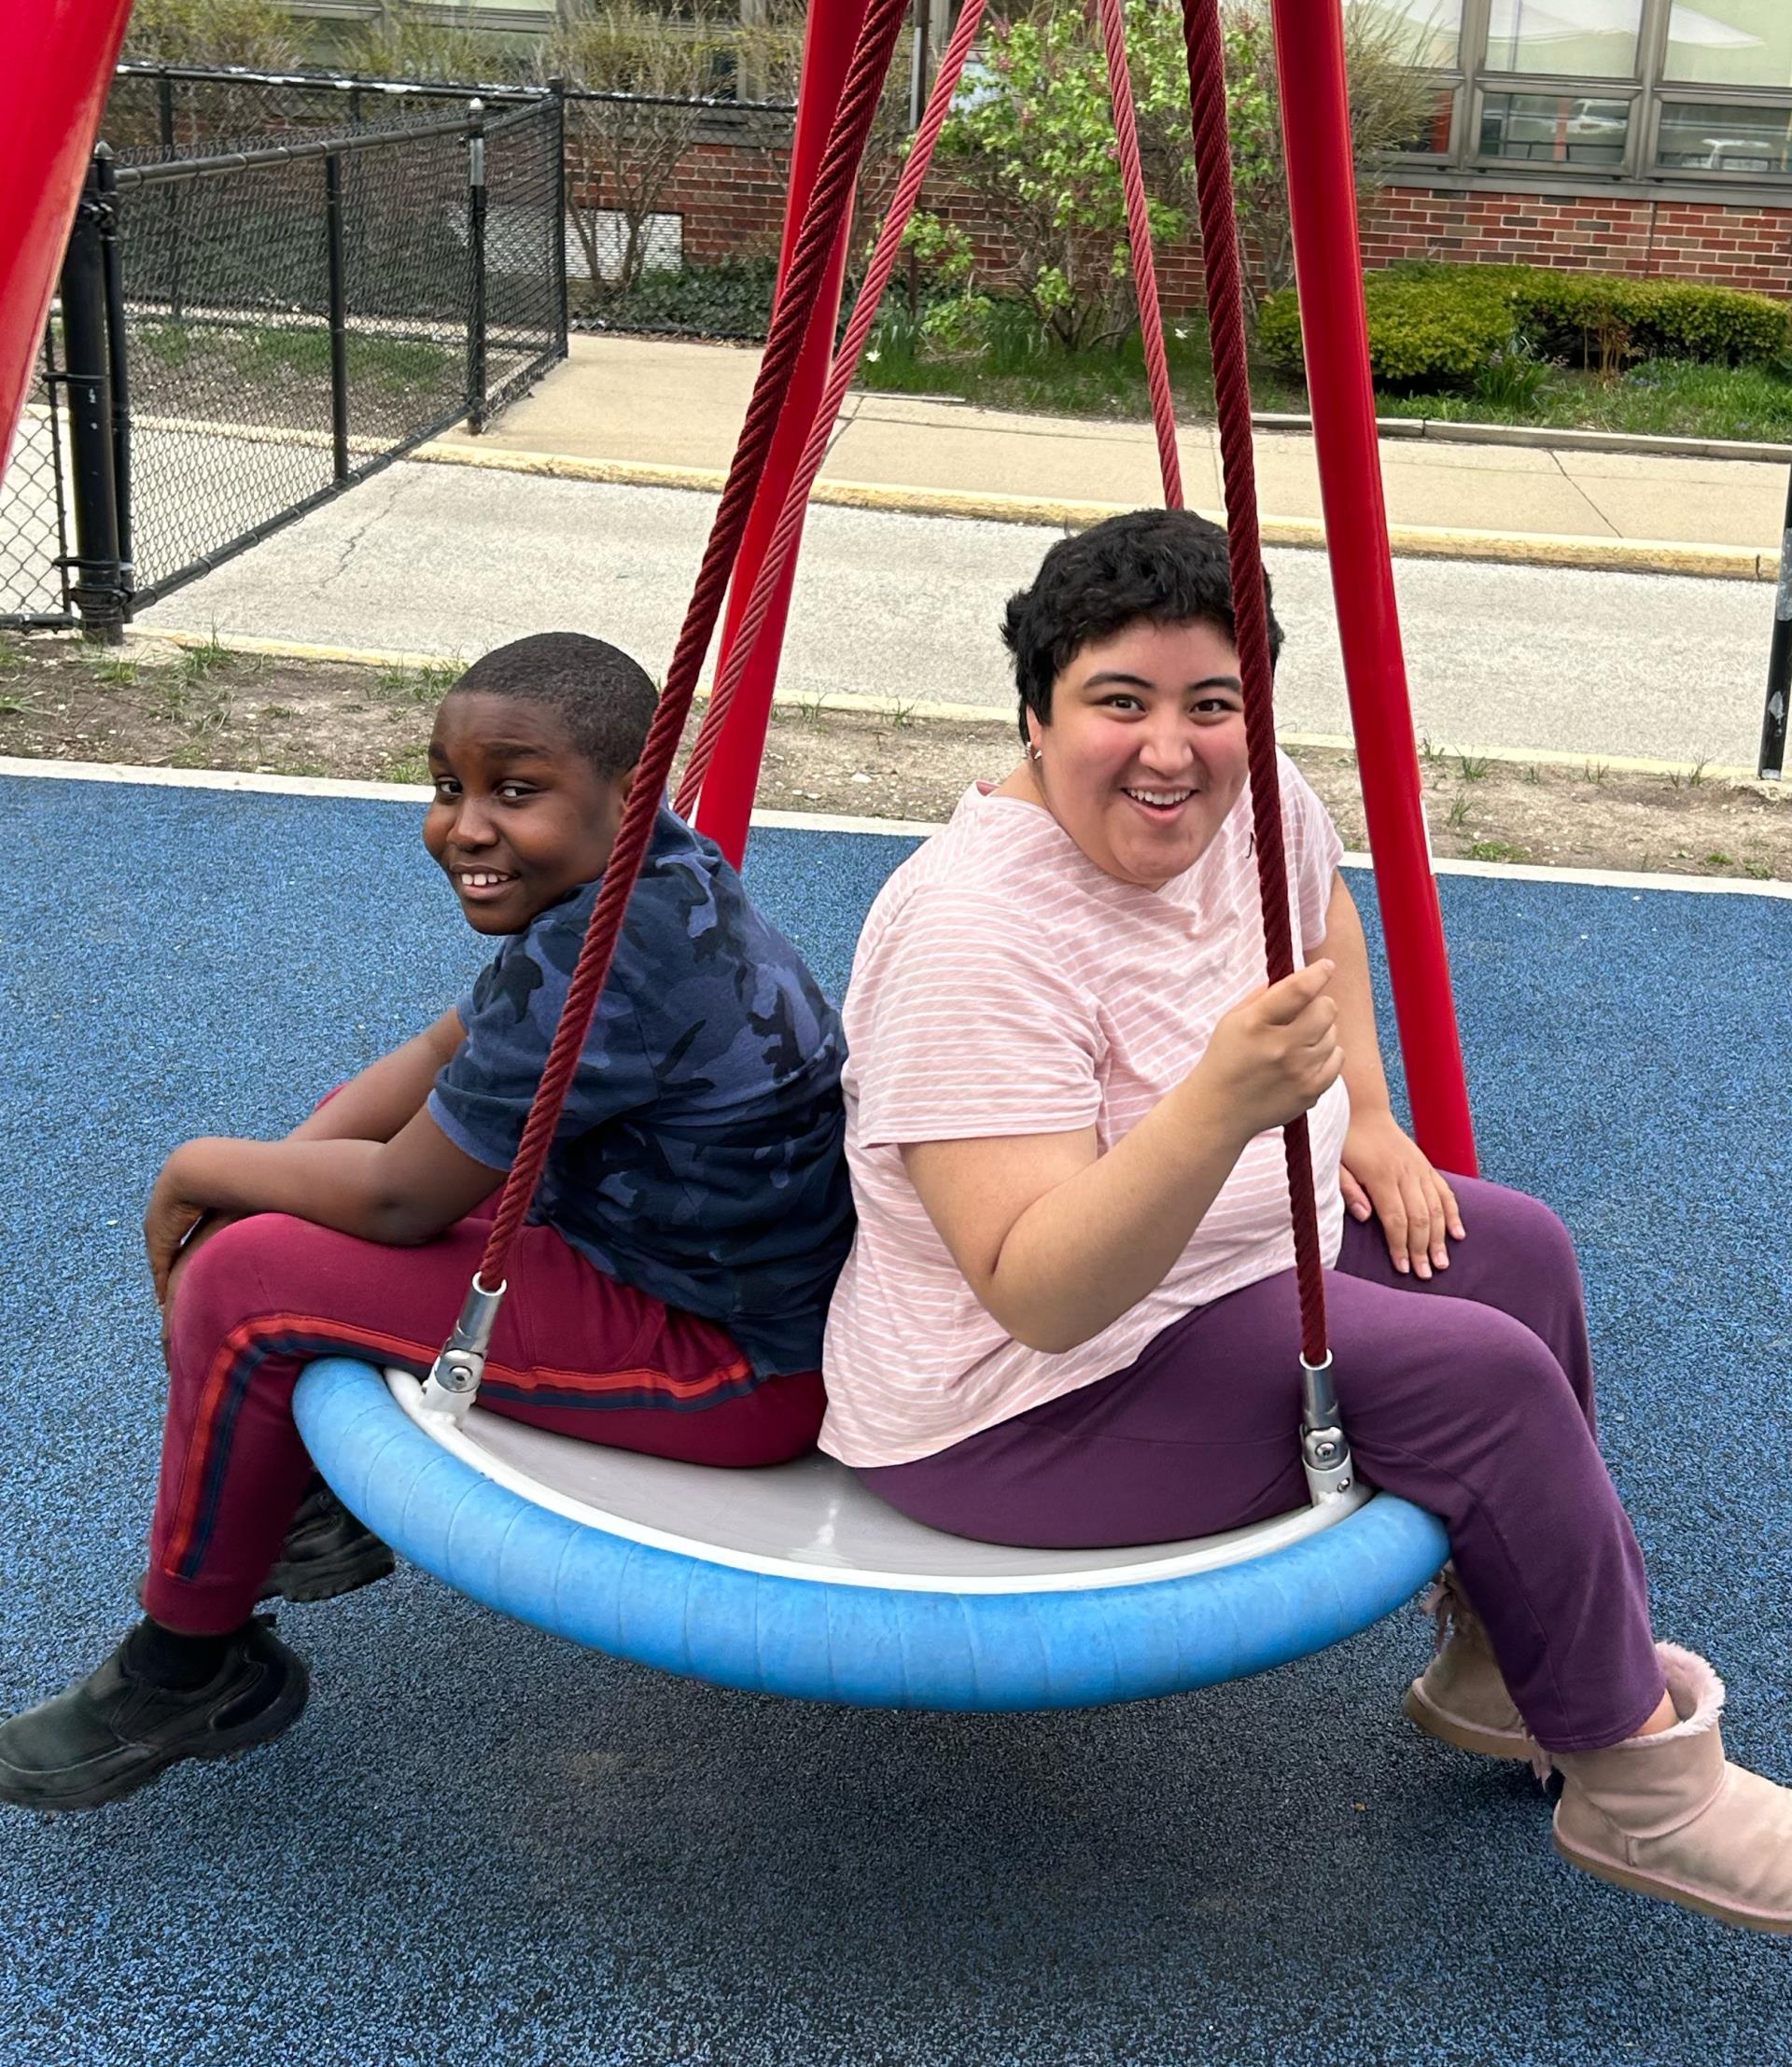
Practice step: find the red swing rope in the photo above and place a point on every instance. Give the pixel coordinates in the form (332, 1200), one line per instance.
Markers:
(823, 220)
(1144, 270)
(845, 364)
(1249, 608)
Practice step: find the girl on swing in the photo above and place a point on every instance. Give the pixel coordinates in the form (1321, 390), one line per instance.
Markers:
(1070, 1319)
(668, 1297)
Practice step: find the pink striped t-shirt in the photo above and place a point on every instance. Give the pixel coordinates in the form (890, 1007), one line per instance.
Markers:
(1003, 984)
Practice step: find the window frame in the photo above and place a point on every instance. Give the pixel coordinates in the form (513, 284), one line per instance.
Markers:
(1647, 90)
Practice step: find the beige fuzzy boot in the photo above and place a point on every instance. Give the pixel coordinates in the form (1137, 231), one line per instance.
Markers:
(1461, 1697)
(1668, 1815)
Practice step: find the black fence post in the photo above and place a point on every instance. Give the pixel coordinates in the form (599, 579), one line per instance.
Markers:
(1771, 764)
(559, 89)
(338, 314)
(117, 358)
(98, 588)
(476, 258)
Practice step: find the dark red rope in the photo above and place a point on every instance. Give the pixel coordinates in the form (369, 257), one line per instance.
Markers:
(799, 293)
(1250, 607)
(845, 363)
(1144, 270)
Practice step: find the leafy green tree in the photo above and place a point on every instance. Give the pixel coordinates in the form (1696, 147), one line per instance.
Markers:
(1032, 136)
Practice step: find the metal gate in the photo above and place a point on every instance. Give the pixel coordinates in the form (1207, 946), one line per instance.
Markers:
(246, 334)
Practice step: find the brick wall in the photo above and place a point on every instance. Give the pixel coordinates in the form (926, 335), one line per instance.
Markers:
(1723, 246)
(730, 198)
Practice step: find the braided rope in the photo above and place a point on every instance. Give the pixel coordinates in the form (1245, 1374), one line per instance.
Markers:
(1249, 608)
(1144, 270)
(782, 543)
(799, 294)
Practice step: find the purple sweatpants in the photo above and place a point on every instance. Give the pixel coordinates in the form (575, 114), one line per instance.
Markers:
(1471, 1395)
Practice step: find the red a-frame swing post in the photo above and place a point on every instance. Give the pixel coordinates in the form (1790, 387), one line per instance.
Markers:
(1322, 192)
(727, 801)
(59, 55)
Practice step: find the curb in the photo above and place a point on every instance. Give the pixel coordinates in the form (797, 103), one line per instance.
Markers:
(1408, 541)
(1443, 430)
(848, 704)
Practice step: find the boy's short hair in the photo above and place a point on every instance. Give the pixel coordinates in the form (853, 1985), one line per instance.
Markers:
(605, 700)
(1159, 567)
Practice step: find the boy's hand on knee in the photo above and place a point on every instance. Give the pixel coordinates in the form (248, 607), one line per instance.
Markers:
(169, 1219)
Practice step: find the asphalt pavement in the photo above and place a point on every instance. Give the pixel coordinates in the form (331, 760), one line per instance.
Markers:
(446, 560)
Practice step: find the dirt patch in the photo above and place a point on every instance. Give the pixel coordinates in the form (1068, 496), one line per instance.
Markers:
(152, 704)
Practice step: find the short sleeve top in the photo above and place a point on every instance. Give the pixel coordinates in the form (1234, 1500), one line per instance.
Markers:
(1005, 984)
(699, 1157)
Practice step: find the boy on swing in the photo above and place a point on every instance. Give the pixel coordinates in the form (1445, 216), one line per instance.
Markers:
(668, 1295)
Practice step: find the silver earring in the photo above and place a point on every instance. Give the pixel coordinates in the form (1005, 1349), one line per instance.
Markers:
(1032, 751)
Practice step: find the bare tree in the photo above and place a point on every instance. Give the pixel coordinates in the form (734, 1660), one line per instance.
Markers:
(623, 150)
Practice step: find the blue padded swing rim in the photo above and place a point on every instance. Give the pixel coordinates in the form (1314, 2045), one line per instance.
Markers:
(865, 1646)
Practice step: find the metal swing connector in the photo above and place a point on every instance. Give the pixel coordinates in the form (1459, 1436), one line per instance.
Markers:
(453, 1383)
(1325, 1453)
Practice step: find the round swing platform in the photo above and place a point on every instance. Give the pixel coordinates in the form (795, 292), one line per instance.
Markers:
(795, 1580)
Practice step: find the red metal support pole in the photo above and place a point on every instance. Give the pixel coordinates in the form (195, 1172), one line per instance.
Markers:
(727, 800)
(57, 71)
(1322, 192)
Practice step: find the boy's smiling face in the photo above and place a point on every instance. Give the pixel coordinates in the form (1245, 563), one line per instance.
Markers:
(520, 817)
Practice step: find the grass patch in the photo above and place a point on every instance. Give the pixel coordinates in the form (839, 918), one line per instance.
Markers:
(1013, 366)
(1016, 372)
(426, 684)
(1495, 850)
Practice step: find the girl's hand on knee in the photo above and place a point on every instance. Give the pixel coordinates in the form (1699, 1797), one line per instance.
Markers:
(1385, 1176)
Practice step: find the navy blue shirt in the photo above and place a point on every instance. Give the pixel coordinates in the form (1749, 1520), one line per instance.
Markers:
(699, 1157)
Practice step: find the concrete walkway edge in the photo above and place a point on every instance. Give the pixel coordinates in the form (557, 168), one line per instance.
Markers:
(1408, 541)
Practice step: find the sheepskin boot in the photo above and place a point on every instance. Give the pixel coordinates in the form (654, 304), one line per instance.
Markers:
(1461, 1697)
(1668, 1815)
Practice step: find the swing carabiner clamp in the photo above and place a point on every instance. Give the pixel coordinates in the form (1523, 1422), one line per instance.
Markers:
(1325, 1453)
(453, 1383)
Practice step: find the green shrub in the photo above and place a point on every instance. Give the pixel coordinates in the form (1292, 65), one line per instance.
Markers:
(1435, 326)
(1425, 329)
(1605, 320)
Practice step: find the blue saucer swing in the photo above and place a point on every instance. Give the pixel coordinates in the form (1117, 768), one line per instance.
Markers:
(794, 1580)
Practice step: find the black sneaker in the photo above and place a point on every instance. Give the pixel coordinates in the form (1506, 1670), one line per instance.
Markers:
(114, 1732)
(327, 1552)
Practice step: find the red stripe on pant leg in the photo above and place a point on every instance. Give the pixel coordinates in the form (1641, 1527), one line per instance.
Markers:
(242, 1353)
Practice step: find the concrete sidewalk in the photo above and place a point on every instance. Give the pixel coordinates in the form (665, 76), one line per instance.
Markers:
(636, 409)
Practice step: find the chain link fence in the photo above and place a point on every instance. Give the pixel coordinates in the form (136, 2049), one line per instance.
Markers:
(34, 545)
(269, 324)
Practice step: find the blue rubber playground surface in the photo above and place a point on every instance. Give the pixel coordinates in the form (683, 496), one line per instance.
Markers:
(482, 1846)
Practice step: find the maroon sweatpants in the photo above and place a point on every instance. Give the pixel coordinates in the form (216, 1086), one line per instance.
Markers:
(574, 1351)
(1471, 1395)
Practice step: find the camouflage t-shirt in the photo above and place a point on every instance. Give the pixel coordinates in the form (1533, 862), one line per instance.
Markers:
(699, 1155)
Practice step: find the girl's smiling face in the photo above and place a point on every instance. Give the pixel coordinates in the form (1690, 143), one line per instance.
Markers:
(520, 817)
(1145, 753)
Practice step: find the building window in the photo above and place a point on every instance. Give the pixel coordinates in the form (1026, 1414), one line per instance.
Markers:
(1426, 33)
(1594, 37)
(1731, 43)
(1724, 137)
(1554, 129)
